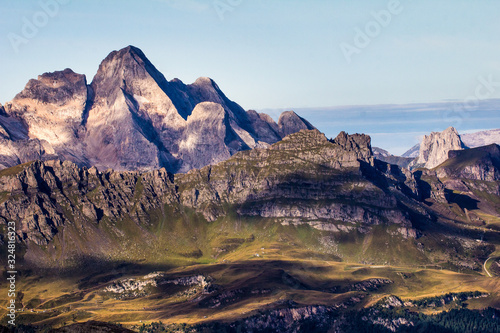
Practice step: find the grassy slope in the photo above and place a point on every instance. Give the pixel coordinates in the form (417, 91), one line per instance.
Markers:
(59, 303)
(181, 242)
(226, 251)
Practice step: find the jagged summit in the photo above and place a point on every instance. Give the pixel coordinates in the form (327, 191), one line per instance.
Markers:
(289, 122)
(435, 147)
(471, 140)
(131, 118)
(126, 57)
(56, 87)
(121, 69)
(129, 62)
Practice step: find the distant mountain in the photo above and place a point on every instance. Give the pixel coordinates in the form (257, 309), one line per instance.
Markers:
(384, 155)
(131, 118)
(413, 151)
(435, 147)
(471, 140)
(289, 122)
(483, 138)
(379, 152)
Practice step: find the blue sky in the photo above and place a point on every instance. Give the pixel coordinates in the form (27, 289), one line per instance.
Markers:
(273, 54)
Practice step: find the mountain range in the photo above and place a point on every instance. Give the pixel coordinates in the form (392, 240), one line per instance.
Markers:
(306, 225)
(435, 147)
(470, 140)
(131, 118)
(162, 206)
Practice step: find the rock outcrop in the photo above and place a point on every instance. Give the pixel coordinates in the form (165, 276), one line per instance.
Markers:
(470, 140)
(289, 123)
(131, 118)
(482, 163)
(435, 147)
(304, 178)
(49, 110)
(357, 145)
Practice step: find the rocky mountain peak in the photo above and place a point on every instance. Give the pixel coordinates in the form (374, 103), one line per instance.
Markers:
(56, 88)
(470, 140)
(354, 141)
(379, 152)
(359, 144)
(264, 127)
(435, 147)
(412, 152)
(48, 111)
(346, 151)
(125, 70)
(204, 81)
(129, 56)
(131, 118)
(205, 89)
(289, 122)
(306, 138)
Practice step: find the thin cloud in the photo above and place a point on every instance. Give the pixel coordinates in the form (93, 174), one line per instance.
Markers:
(418, 134)
(442, 42)
(484, 105)
(186, 5)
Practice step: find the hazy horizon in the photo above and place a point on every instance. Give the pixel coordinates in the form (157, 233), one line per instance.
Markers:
(398, 127)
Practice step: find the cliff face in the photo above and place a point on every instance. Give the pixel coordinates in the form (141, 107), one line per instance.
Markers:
(331, 190)
(131, 118)
(45, 196)
(435, 147)
(304, 179)
(44, 118)
(129, 107)
(290, 179)
(482, 163)
(470, 140)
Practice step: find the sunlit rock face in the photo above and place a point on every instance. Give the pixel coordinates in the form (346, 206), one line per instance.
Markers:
(131, 118)
(435, 147)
